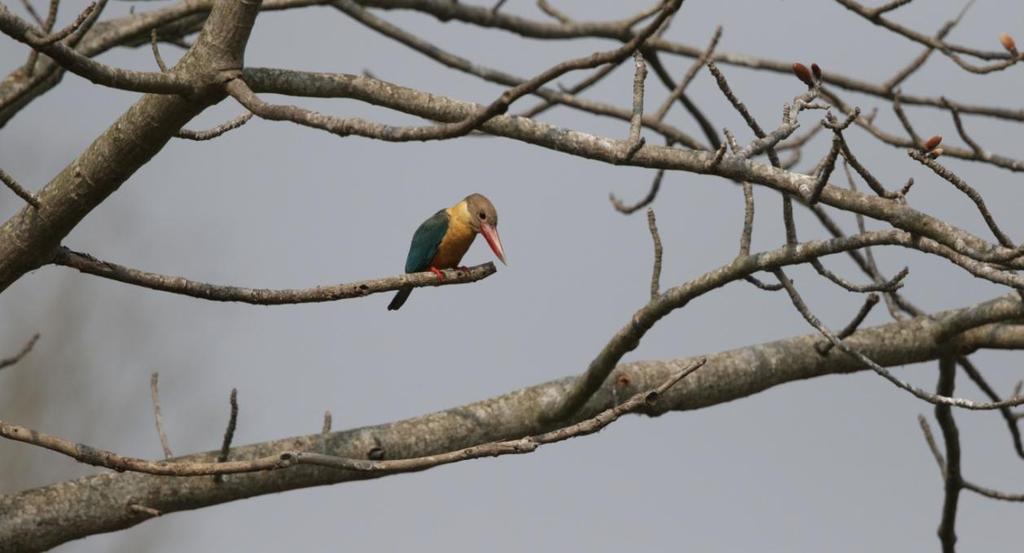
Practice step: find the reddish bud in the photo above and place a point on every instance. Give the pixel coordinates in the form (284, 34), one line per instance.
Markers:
(804, 74)
(816, 69)
(1008, 43)
(932, 142)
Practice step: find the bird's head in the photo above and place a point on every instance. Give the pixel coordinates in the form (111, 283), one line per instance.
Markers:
(483, 218)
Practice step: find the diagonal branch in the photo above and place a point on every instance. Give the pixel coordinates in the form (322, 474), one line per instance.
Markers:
(37, 518)
(18, 189)
(291, 458)
(4, 363)
(935, 399)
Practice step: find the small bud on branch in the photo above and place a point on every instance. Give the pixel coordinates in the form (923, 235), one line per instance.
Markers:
(804, 74)
(1008, 43)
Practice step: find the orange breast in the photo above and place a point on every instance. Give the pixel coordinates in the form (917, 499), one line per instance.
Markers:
(457, 239)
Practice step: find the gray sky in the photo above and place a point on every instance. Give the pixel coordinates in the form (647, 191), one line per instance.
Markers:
(833, 464)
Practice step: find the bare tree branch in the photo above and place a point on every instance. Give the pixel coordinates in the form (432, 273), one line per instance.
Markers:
(138, 81)
(265, 296)
(727, 376)
(967, 485)
(229, 432)
(656, 238)
(935, 399)
(154, 393)
(219, 130)
(286, 459)
(4, 363)
(951, 435)
(19, 189)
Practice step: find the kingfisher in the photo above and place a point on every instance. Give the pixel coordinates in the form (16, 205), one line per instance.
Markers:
(442, 240)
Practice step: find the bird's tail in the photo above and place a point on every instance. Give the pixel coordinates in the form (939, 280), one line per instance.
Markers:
(400, 298)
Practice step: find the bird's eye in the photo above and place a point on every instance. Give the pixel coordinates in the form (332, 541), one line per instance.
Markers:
(483, 216)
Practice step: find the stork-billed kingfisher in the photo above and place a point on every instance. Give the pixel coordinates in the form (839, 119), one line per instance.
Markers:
(442, 240)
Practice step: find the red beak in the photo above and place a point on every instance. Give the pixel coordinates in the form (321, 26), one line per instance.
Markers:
(491, 235)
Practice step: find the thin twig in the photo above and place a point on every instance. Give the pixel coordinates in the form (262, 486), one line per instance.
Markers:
(960, 128)
(680, 88)
(748, 219)
(209, 134)
(553, 12)
(286, 459)
(156, 52)
(636, 141)
(229, 432)
(359, 127)
(327, 423)
(935, 399)
(32, 12)
(878, 285)
(869, 303)
(4, 363)
(622, 207)
(904, 120)
(967, 189)
(70, 59)
(826, 170)
(889, 6)
(154, 394)
(1011, 422)
(656, 238)
(740, 107)
(18, 189)
(148, 511)
(967, 485)
(919, 61)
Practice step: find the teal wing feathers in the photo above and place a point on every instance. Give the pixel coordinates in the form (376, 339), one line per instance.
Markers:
(426, 241)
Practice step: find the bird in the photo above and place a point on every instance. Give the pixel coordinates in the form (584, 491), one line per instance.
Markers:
(442, 240)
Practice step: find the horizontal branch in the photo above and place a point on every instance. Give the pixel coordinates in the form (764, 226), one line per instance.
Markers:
(445, 130)
(445, 10)
(441, 108)
(39, 518)
(265, 296)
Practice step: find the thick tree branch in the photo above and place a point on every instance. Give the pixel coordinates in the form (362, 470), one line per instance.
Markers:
(39, 518)
(287, 459)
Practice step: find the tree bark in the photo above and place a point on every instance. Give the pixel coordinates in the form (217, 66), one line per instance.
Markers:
(42, 518)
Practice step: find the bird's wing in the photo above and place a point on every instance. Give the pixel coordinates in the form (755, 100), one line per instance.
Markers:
(426, 241)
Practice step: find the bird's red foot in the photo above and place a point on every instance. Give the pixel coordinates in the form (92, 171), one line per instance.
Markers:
(436, 271)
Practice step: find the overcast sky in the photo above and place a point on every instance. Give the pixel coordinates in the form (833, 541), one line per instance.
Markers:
(834, 464)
